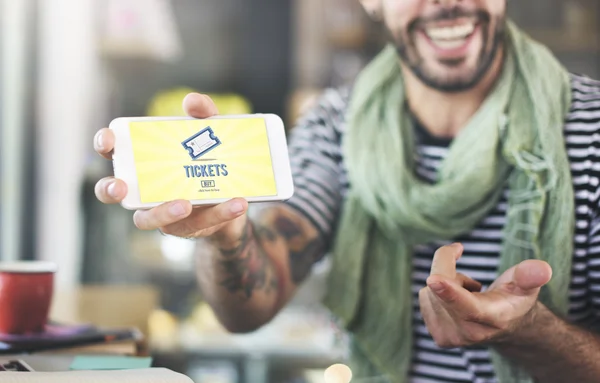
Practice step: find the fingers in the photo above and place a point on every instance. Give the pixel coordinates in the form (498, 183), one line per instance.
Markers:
(454, 297)
(524, 279)
(104, 143)
(110, 190)
(442, 288)
(468, 283)
(203, 219)
(199, 106)
(180, 219)
(444, 260)
(529, 276)
(219, 214)
(163, 215)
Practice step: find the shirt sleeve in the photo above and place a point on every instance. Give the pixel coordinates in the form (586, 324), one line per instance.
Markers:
(584, 149)
(593, 253)
(315, 157)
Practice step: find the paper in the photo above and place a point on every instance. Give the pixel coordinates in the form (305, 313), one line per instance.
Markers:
(109, 363)
(150, 375)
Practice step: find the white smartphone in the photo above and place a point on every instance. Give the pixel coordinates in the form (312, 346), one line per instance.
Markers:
(204, 161)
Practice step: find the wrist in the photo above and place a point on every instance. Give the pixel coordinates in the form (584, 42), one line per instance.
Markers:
(232, 235)
(528, 328)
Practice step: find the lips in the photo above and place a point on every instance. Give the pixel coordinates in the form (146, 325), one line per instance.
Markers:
(450, 37)
(449, 40)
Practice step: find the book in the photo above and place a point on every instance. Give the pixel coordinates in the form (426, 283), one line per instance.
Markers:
(71, 338)
(125, 348)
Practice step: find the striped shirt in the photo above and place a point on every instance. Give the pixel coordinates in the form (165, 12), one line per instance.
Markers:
(321, 185)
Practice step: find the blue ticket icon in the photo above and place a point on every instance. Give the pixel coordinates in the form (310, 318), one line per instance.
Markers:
(201, 143)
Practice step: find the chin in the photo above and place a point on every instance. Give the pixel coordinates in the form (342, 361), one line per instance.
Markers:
(453, 75)
(451, 82)
(452, 55)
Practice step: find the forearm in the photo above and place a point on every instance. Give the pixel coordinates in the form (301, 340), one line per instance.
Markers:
(248, 281)
(239, 281)
(554, 351)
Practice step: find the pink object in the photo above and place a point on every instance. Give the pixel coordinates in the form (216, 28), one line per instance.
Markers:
(25, 296)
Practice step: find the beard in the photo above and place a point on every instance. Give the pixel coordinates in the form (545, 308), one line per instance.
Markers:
(409, 54)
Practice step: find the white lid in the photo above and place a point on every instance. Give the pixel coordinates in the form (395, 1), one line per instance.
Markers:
(28, 267)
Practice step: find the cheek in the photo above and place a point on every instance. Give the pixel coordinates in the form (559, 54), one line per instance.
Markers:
(399, 13)
(423, 46)
(496, 8)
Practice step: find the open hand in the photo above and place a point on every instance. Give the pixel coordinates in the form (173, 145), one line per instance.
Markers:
(458, 314)
(225, 221)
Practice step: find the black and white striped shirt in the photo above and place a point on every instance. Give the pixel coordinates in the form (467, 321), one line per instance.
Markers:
(321, 184)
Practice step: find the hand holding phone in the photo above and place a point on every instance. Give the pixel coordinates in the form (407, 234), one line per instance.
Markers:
(179, 173)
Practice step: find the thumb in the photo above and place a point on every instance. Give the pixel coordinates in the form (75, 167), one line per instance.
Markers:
(529, 276)
(199, 106)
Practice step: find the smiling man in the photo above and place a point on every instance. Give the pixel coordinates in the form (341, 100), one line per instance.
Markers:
(455, 187)
(447, 48)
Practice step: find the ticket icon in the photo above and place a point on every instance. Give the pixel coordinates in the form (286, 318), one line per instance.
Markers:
(201, 143)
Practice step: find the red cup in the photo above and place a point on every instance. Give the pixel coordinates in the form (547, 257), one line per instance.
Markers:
(25, 296)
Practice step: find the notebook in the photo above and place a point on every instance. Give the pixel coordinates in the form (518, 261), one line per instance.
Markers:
(148, 375)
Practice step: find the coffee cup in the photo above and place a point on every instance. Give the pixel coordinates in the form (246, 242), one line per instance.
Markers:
(25, 296)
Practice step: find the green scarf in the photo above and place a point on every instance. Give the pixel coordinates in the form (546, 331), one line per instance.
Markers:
(516, 137)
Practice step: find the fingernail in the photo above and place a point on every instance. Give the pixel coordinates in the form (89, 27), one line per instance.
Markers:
(177, 210)
(99, 142)
(437, 287)
(236, 208)
(112, 190)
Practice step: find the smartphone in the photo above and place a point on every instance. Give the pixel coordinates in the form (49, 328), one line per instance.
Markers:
(204, 161)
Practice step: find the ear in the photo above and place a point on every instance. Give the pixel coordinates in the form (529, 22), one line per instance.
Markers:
(374, 9)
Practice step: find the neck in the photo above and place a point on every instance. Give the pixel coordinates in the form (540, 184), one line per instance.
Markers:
(444, 115)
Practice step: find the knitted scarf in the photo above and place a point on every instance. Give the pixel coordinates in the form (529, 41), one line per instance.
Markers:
(515, 138)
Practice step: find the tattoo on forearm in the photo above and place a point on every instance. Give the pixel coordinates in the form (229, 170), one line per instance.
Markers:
(236, 251)
(301, 262)
(266, 233)
(247, 267)
(263, 233)
(303, 252)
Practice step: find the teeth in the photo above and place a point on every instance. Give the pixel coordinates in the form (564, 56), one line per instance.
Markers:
(449, 44)
(458, 32)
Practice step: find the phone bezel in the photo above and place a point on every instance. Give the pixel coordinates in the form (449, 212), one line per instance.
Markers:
(124, 166)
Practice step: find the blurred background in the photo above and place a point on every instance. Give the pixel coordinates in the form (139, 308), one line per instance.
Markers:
(69, 67)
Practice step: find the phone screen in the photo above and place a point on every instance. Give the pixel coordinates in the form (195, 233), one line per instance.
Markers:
(202, 159)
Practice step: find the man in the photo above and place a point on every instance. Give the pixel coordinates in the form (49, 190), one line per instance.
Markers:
(463, 136)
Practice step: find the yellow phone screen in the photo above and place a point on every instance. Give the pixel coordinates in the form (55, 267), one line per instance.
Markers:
(202, 159)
